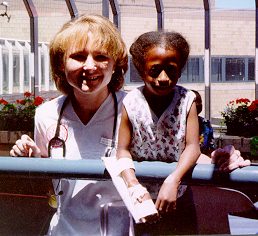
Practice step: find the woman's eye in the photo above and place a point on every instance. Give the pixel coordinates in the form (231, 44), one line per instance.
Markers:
(101, 57)
(78, 57)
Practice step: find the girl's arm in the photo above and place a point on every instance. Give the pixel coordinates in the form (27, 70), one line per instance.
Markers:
(139, 195)
(167, 196)
(124, 141)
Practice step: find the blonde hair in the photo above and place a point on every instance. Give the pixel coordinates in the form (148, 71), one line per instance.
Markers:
(74, 35)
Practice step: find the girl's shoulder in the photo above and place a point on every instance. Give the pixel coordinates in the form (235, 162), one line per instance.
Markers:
(184, 92)
(182, 89)
(134, 92)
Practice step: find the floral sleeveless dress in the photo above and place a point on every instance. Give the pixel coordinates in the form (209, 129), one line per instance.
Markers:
(158, 139)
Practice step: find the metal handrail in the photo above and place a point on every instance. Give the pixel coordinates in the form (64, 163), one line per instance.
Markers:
(201, 174)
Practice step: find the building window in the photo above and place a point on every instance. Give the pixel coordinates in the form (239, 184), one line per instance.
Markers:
(223, 69)
(193, 71)
(235, 69)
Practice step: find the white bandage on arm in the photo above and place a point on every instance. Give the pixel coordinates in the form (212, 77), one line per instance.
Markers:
(138, 210)
(125, 163)
(145, 207)
(137, 192)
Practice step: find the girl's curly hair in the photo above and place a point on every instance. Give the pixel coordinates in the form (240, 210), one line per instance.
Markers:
(149, 40)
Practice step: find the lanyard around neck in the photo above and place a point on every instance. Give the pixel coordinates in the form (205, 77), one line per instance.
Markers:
(56, 138)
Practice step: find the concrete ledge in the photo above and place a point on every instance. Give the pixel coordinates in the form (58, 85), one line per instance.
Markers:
(240, 143)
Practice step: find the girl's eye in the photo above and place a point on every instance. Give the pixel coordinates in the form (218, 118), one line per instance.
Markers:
(171, 71)
(155, 71)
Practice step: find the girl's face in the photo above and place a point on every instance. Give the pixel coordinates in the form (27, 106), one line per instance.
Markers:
(88, 70)
(162, 70)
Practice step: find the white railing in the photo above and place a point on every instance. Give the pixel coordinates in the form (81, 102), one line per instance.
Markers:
(16, 67)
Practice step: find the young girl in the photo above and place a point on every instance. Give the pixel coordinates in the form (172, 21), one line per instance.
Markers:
(159, 123)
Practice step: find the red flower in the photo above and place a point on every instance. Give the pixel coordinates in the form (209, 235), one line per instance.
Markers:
(38, 100)
(3, 102)
(27, 94)
(22, 101)
(243, 100)
(253, 106)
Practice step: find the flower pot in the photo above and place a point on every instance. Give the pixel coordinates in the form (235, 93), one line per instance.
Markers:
(240, 129)
(234, 129)
(16, 123)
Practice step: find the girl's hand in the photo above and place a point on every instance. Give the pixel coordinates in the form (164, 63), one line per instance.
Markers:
(25, 147)
(166, 201)
(228, 158)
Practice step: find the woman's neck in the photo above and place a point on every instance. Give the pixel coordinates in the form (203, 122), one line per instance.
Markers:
(86, 105)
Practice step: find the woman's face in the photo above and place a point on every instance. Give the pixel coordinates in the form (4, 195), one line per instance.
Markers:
(88, 70)
(162, 70)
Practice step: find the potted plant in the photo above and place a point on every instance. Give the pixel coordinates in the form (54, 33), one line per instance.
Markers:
(19, 115)
(240, 117)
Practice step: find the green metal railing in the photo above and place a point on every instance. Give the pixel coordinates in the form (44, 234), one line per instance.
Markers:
(205, 174)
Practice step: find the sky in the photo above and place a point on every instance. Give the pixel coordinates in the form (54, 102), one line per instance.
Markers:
(235, 4)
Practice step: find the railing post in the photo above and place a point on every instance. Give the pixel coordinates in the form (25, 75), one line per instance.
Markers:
(34, 45)
(116, 13)
(105, 8)
(207, 59)
(72, 8)
(160, 14)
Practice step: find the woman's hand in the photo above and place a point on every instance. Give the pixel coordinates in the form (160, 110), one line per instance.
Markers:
(166, 201)
(228, 159)
(25, 147)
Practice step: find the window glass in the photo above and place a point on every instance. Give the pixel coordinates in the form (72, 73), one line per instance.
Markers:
(134, 76)
(191, 72)
(235, 69)
(251, 69)
(26, 71)
(216, 65)
(42, 71)
(16, 71)
(5, 70)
